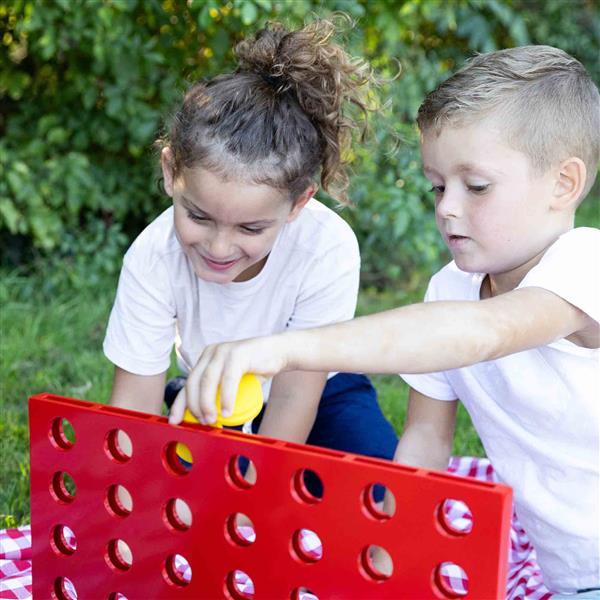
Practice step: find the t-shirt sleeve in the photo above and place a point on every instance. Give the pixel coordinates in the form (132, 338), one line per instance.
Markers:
(141, 328)
(435, 385)
(570, 268)
(330, 290)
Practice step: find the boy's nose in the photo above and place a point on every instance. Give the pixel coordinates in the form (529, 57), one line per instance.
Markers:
(449, 205)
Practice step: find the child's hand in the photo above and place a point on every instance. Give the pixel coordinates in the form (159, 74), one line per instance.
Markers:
(224, 364)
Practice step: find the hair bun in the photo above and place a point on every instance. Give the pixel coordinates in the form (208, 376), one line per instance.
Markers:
(262, 55)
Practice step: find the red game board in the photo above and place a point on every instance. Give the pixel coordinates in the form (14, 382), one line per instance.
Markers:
(87, 538)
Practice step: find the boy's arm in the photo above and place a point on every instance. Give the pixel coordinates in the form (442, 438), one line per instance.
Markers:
(420, 338)
(428, 432)
(426, 441)
(143, 393)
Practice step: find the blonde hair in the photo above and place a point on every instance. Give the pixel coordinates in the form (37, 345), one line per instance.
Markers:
(545, 99)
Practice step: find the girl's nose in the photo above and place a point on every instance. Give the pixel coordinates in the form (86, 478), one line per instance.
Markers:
(220, 245)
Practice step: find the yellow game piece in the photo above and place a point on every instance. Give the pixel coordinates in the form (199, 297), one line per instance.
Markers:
(248, 403)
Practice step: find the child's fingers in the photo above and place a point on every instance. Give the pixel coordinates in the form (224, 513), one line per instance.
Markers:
(201, 387)
(230, 382)
(178, 408)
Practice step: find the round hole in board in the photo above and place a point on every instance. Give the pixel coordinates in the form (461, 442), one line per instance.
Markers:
(451, 580)
(307, 546)
(239, 585)
(62, 487)
(307, 486)
(177, 458)
(376, 563)
(62, 434)
(240, 472)
(63, 540)
(118, 555)
(177, 570)
(64, 589)
(455, 517)
(118, 446)
(373, 500)
(240, 529)
(118, 501)
(178, 514)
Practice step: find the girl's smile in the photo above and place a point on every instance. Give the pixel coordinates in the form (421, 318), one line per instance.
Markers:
(226, 228)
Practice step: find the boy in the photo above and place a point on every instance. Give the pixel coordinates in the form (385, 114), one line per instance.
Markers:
(511, 145)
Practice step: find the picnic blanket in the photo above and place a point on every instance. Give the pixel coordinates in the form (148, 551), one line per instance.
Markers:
(524, 577)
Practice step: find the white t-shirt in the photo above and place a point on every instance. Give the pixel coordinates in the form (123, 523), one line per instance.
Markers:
(537, 414)
(310, 278)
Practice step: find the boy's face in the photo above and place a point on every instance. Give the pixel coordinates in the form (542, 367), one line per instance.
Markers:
(227, 229)
(491, 208)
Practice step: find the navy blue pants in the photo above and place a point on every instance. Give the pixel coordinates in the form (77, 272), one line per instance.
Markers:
(349, 419)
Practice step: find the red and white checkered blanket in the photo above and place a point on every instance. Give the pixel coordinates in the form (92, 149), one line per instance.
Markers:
(524, 578)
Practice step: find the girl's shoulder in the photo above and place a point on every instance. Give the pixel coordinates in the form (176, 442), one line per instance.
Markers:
(318, 229)
(156, 243)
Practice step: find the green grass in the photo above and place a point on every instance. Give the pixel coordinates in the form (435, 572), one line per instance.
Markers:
(48, 343)
(51, 341)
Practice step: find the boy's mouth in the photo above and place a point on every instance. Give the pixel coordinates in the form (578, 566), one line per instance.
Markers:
(457, 241)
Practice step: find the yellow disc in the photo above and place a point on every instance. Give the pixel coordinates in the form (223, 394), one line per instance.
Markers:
(248, 403)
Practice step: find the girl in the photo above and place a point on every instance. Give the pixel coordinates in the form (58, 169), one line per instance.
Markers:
(246, 250)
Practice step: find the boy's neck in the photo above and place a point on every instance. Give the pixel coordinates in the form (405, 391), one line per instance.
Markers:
(495, 284)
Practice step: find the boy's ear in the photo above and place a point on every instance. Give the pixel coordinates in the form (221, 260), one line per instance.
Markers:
(301, 200)
(166, 163)
(570, 183)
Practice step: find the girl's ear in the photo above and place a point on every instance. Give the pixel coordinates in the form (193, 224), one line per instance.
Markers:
(301, 200)
(166, 163)
(570, 183)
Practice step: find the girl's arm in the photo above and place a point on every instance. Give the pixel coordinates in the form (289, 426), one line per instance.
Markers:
(420, 338)
(293, 404)
(144, 393)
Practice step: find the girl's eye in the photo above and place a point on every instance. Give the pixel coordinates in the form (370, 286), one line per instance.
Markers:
(253, 230)
(479, 189)
(196, 218)
(437, 189)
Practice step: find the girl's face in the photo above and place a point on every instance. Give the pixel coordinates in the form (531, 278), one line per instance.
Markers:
(227, 229)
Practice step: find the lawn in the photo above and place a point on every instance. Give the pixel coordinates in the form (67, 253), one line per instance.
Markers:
(51, 341)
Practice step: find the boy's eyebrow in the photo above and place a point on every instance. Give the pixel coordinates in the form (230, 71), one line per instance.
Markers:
(470, 167)
(466, 168)
(191, 206)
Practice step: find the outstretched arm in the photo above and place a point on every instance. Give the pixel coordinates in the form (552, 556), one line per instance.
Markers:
(419, 338)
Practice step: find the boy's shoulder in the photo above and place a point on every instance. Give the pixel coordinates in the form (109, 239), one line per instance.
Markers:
(450, 283)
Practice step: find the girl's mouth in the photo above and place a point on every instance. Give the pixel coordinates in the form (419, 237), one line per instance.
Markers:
(219, 265)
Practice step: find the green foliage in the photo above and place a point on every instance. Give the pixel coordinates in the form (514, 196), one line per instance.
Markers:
(85, 86)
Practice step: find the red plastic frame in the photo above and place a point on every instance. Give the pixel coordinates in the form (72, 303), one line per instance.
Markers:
(414, 537)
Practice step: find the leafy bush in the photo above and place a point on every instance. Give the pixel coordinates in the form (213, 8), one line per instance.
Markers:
(84, 86)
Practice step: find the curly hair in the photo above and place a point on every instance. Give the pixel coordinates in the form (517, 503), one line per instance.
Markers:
(286, 114)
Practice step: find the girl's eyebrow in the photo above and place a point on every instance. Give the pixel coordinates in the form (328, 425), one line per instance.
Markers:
(191, 206)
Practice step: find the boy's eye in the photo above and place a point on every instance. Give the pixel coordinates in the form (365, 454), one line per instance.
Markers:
(437, 189)
(478, 189)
